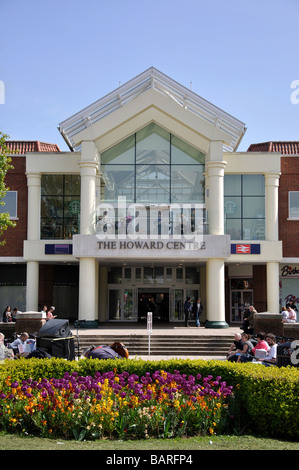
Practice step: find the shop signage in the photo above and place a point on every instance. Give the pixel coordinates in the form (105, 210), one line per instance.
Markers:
(245, 249)
(64, 249)
(289, 271)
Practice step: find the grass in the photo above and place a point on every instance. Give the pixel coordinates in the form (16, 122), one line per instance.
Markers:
(222, 443)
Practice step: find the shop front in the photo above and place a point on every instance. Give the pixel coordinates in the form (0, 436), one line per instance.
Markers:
(289, 284)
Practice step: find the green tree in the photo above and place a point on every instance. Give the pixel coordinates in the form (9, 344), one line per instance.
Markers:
(5, 165)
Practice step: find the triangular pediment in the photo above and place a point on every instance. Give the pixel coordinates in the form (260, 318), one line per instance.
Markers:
(183, 101)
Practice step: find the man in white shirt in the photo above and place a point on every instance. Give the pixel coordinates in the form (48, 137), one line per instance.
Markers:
(270, 359)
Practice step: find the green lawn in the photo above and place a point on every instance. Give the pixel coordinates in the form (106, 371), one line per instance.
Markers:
(12, 442)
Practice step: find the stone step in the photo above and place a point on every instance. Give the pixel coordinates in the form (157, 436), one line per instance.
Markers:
(161, 345)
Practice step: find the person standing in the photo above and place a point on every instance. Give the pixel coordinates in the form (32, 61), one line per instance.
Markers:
(197, 310)
(187, 309)
(248, 320)
(50, 314)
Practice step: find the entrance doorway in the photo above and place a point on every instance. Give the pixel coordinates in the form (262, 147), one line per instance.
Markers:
(155, 301)
(167, 305)
(240, 302)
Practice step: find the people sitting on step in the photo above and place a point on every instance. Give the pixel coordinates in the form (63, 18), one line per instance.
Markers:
(116, 350)
(259, 351)
(5, 353)
(291, 316)
(235, 347)
(247, 347)
(22, 345)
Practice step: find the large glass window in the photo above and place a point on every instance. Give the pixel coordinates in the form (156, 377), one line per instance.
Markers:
(153, 166)
(10, 204)
(244, 206)
(60, 206)
(294, 205)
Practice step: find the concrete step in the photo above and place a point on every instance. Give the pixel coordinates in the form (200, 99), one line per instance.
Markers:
(161, 345)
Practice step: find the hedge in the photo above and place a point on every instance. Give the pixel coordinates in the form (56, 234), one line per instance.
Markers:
(267, 398)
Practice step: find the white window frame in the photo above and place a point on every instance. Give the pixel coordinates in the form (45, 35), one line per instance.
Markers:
(291, 217)
(2, 208)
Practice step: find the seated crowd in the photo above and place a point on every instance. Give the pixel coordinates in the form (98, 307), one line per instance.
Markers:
(244, 348)
(22, 345)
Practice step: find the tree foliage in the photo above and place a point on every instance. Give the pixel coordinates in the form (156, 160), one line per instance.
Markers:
(5, 165)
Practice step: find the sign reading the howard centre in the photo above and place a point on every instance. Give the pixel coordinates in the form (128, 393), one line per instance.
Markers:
(151, 245)
(208, 246)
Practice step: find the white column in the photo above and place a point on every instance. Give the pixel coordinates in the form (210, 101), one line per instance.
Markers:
(88, 276)
(32, 286)
(215, 188)
(34, 198)
(87, 290)
(88, 172)
(33, 234)
(273, 287)
(215, 309)
(271, 203)
(88, 197)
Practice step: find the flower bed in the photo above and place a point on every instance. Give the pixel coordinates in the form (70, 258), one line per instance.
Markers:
(116, 405)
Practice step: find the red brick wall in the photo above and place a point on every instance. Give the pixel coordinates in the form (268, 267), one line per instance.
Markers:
(16, 181)
(288, 229)
(260, 287)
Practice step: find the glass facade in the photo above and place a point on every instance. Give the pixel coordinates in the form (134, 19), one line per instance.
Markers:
(244, 206)
(153, 166)
(60, 206)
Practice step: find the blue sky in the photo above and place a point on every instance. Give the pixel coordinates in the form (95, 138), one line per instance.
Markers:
(59, 56)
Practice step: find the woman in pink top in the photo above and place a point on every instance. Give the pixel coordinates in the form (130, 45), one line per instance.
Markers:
(262, 344)
(50, 315)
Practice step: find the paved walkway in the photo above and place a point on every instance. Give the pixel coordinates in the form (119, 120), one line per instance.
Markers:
(168, 329)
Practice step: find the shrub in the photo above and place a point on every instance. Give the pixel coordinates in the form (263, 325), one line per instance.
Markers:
(266, 398)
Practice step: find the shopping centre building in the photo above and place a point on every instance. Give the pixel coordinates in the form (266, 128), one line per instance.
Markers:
(153, 202)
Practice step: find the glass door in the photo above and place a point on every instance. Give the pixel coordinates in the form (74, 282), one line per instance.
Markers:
(176, 311)
(122, 304)
(240, 302)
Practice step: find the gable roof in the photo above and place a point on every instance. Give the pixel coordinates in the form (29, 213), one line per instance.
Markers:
(285, 148)
(153, 79)
(20, 147)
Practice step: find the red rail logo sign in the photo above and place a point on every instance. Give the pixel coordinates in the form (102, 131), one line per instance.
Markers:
(243, 249)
